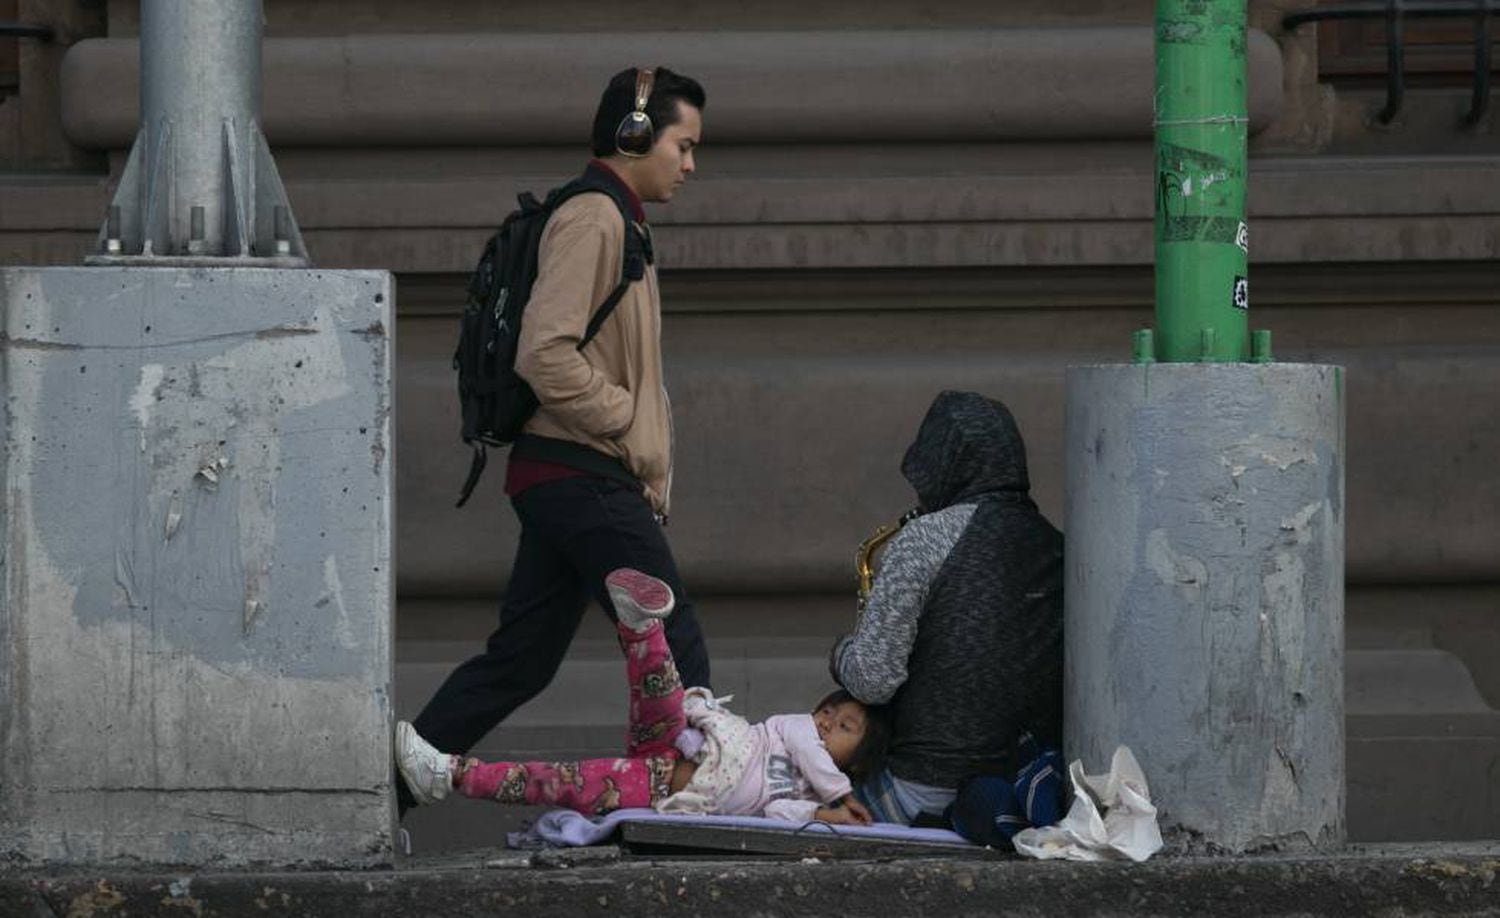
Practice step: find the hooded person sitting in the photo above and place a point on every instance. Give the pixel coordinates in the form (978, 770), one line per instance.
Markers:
(962, 635)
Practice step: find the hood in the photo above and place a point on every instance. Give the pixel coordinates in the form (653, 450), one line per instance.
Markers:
(968, 445)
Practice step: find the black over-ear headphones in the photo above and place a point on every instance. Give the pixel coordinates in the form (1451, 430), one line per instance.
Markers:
(636, 135)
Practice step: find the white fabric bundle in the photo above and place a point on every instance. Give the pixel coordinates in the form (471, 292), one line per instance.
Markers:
(1111, 817)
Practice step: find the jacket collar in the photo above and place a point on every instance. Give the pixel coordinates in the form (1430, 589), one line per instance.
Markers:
(637, 210)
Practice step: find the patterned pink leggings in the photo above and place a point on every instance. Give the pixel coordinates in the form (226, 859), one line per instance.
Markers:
(596, 786)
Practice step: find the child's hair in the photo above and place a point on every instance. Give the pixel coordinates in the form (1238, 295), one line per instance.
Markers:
(869, 755)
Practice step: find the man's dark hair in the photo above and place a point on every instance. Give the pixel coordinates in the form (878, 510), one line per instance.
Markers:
(619, 100)
(869, 755)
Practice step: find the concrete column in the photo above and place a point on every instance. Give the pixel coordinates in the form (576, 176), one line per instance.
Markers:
(1204, 603)
(195, 566)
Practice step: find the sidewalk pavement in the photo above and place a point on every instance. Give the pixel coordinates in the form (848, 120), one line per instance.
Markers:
(1389, 881)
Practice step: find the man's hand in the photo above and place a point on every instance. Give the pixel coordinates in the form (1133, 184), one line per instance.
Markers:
(849, 812)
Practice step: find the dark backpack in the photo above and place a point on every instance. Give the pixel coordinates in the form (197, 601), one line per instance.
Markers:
(496, 402)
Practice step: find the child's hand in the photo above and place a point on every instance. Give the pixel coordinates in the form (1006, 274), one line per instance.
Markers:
(850, 813)
(836, 816)
(859, 811)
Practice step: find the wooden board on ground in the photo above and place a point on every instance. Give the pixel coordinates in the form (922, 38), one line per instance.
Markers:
(679, 839)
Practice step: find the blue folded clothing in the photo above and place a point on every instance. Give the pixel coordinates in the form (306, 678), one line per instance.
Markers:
(990, 810)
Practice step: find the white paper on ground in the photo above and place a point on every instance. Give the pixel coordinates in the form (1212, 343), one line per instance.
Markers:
(1111, 817)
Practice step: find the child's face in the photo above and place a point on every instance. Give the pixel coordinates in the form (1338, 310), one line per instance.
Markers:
(842, 728)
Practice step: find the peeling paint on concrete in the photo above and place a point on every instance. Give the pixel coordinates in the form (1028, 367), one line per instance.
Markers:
(210, 472)
(1297, 524)
(1172, 567)
(334, 595)
(1235, 469)
(174, 517)
(1288, 454)
(143, 400)
(1204, 603)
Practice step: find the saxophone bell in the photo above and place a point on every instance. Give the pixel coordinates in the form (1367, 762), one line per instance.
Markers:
(867, 560)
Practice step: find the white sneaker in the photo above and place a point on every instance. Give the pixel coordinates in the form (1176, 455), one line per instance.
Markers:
(639, 599)
(427, 772)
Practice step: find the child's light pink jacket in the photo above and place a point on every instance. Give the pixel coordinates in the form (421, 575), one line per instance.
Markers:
(777, 768)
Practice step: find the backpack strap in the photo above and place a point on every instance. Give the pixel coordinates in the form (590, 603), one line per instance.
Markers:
(602, 313)
(638, 249)
(476, 468)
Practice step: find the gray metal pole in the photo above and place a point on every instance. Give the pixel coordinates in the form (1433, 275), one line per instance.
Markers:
(200, 89)
(1204, 616)
(200, 186)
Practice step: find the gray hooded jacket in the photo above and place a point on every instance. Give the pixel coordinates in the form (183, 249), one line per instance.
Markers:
(962, 634)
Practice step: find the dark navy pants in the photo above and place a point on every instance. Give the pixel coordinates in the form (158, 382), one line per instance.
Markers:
(574, 531)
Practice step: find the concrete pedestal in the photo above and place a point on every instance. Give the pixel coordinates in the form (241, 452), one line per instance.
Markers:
(195, 638)
(1204, 593)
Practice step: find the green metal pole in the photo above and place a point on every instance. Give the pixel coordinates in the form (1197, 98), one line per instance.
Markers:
(1202, 285)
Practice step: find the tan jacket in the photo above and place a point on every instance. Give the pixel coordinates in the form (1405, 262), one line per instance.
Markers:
(610, 396)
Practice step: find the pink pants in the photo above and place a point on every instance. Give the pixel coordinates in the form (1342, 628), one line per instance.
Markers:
(595, 786)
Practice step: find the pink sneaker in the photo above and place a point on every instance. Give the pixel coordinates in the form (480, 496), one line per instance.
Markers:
(639, 599)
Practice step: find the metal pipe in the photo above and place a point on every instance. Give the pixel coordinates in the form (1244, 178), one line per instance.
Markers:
(1395, 60)
(1480, 101)
(1144, 348)
(200, 79)
(1379, 8)
(1202, 241)
(1395, 13)
(26, 30)
(200, 183)
(1260, 346)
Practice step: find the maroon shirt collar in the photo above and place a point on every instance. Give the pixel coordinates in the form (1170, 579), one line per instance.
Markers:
(637, 210)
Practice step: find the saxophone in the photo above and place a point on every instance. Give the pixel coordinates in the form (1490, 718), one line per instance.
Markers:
(866, 559)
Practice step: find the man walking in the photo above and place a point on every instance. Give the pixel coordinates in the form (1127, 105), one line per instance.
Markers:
(591, 475)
